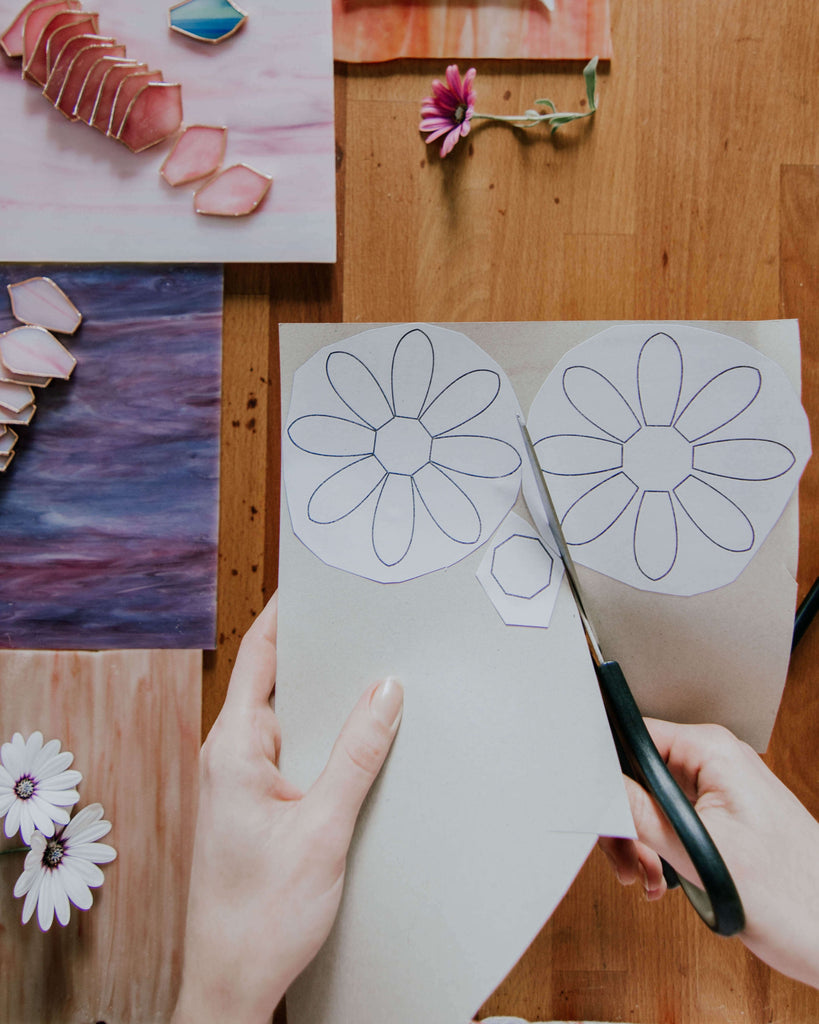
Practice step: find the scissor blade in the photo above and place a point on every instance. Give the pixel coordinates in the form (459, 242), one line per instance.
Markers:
(559, 539)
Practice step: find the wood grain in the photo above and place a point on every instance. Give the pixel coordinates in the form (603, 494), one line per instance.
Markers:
(693, 194)
(131, 719)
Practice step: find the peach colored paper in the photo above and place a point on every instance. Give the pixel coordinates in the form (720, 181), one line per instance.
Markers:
(132, 721)
(367, 30)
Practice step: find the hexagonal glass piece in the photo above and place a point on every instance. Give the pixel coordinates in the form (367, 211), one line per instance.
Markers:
(208, 21)
(197, 153)
(42, 303)
(235, 192)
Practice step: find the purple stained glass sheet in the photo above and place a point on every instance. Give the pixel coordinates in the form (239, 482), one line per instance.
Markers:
(109, 511)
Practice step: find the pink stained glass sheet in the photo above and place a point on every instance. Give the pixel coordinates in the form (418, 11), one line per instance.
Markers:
(364, 32)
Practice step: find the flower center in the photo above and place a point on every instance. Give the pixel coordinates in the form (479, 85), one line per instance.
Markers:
(53, 853)
(24, 787)
(403, 445)
(657, 458)
(460, 113)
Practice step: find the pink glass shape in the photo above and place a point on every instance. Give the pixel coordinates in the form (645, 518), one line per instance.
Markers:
(37, 67)
(107, 92)
(62, 67)
(36, 352)
(12, 38)
(80, 66)
(235, 192)
(197, 153)
(36, 20)
(15, 396)
(154, 114)
(87, 100)
(22, 418)
(126, 91)
(8, 439)
(86, 26)
(40, 302)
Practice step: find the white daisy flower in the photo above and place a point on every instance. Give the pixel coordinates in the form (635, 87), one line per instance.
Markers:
(64, 868)
(35, 787)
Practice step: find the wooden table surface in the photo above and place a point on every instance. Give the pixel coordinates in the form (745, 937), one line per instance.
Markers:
(693, 195)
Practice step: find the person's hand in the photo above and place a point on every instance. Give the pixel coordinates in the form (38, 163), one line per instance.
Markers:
(767, 838)
(268, 861)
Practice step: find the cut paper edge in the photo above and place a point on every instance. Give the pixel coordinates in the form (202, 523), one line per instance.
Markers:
(56, 312)
(234, 192)
(180, 167)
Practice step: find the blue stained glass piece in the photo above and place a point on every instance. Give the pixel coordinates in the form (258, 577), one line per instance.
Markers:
(211, 21)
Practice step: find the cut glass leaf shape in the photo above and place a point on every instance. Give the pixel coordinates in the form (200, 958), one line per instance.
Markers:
(197, 153)
(78, 71)
(12, 39)
(85, 25)
(22, 378)
(208, 21)
(107, 92)
(126, 91)
(234, 192)
(15, 397)
(87, 100)
(39, 302)
(64, 63)
(36, 21)
(154, 114)
(36, 352)
(37, 67)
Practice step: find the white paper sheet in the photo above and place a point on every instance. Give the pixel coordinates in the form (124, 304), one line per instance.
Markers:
(401, 451)
(669, 453)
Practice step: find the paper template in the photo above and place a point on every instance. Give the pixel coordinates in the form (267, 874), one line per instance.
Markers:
(110, 508)
(400, 454)
(521, 573)
(487, 808)
(669, 452)
(68, 193)
(571, 30)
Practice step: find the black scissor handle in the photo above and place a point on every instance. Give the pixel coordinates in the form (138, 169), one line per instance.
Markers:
(718, 902)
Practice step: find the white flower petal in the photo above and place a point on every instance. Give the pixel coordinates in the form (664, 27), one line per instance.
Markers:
(65, 780)
(659, 380)
(394, 519)
(474, 455)
(75, 887)
(5, 777)
(451, 509)
(599, 401)
(6, 800)
(53, 765)
(32, 745)
(45, 902)
(27, 826)
(743, 458)
(331, 435)
(716, 516)
(357, 388)
(41, 816)
(88, 834)
(43, 756)
(61, 905)
(13, 759)
(655, 535)
(412, 365)
(12, 823)
(598, 509)
(59, 797)
(461, 401)
(88, 871)
(719, 401)
(27, 879)
(32, 895)
(342, 493)
(98, 853)
(578, 454)
(82, 819)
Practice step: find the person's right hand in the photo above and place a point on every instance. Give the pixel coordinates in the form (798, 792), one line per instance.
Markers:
(768, 840)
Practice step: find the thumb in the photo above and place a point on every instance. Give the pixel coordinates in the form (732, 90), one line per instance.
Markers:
(655, 831)
(359, 752)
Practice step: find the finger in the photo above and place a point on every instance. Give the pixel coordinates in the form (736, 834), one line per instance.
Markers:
(655, 832)
(254, 674)
(698, 756)
(358, 754)
(635, 862)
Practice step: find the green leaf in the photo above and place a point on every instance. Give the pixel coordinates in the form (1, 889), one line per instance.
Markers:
(561, 119)
(590, 76)
(546, 103)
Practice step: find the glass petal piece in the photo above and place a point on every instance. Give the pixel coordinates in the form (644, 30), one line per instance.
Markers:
(37, 67)
(85, 25)
(154, 114)
(21, 418)
(235, 192)
(208, 21)
(197, 153)
(8, 439)
(34, 351)
(15, 396)
(59, 71)
(126, 91)
(107, 92)
(39, 302)
(12, 39)
(5, 460)
(87, 100)
(36, 20)
(77, 73)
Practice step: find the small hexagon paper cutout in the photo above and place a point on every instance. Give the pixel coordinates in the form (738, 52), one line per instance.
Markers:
(521, 574)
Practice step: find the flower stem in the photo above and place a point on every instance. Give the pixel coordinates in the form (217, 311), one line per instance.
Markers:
(16, 849)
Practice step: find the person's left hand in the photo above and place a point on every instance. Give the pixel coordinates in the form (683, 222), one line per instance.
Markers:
(269, 861)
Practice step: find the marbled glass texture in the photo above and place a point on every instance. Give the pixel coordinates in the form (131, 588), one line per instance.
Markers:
(109, 513)
(210, 21)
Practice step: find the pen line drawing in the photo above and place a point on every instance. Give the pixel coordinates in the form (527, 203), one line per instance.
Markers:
(661, 455)
(523, 580)
(405, 446)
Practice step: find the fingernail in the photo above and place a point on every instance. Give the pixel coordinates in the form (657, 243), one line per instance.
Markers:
(387, 702)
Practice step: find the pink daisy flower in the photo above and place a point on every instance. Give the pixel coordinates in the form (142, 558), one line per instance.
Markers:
(449, 110)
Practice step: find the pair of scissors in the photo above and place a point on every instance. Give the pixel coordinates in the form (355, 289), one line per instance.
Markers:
(717, 902)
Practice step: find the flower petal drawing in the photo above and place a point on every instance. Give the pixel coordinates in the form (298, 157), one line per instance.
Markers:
(723, 522)
(451, 508)
(598, 509)
(599, 401)
(659, 380)
(358, 389)
(331, 435)
(743, 458)
(413, 363)
(461, 401)
(578, 454)
(655, 535)
(394, 519)
(342, 493)
(475, 455)
(719, 401)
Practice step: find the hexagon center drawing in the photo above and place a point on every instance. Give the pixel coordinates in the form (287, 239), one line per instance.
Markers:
(403, 445)
(657, 458)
